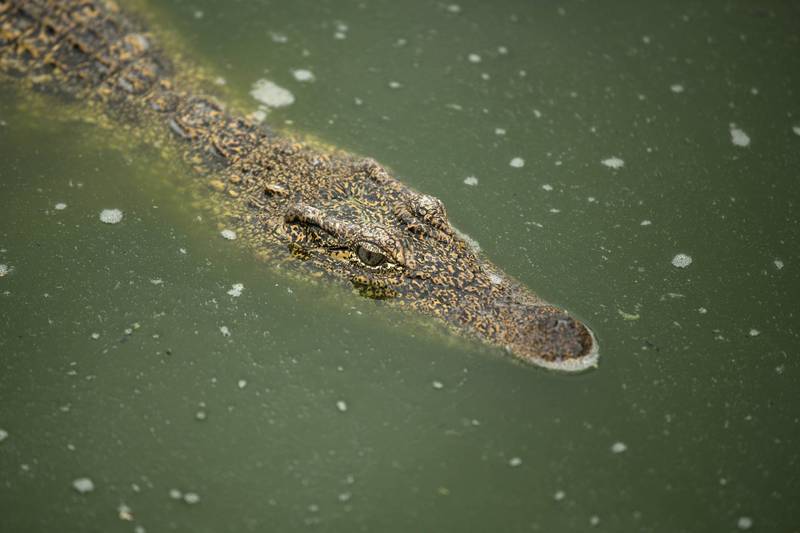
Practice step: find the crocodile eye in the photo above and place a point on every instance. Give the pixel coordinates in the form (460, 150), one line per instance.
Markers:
(369, 254)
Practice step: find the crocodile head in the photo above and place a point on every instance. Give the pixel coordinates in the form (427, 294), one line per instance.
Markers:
(355, 222)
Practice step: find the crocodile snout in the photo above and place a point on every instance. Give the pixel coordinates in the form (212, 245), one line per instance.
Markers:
(547, 336)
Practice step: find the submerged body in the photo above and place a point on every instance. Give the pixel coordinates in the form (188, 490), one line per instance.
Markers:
(325, 212)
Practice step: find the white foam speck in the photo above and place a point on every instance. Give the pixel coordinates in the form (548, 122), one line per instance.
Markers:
(474, 58)
(225, 331)
(645, 223)
(259, 115)
(559, 495)
(395, 85)
(279, 38)
(271, 94)
(175, 494)
(499, 131)
(514, 462)
(303, 75)
(517, 162)
(341, 405)
(157, 281)
(454, 8)
(219, 80)
(681, 261)
(198, 14)
(613, 162)
(502, 50)
(242, 383)
(739, 137)
(472, 243)
(437, 385)
(60, 206)
(83, 485)
(111, 216)
(618, 447)
(646, 39)
(744, 523)
(228, 234)
(5, 270)
(754, 332)
(677, 88)
(778, 264)
(236, 290)
(191, 498)
(547, 187)
(796, 130)
(124, 512)
(594, 520)
(95, 336)
(3, 435)
(537, 113)
(471, 180)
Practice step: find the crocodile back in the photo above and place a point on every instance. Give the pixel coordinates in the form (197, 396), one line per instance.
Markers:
(89, 50)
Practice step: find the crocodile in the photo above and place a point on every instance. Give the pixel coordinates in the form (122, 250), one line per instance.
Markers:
(328, 213)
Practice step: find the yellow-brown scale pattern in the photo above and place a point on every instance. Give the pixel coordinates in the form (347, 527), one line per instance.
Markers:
(328, 213)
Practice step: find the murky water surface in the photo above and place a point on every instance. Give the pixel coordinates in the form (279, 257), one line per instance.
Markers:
(634, 162)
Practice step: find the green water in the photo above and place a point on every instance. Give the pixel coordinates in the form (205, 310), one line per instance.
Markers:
(690, 423)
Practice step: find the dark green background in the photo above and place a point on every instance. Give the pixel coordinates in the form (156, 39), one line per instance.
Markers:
(709, 413)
